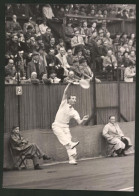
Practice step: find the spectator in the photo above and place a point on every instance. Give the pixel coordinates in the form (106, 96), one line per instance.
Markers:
(51, 44)
(13, 46)
(99, 14)
(61, 45)
(70, 57)
(47, 36)
(53, 78)
(130, 45)
(29, 32)
(108, 41)
(115, 136)
(77, 40)
(42, 61)
(43, 26)
(35, 66)
(126, 60)
(14, 25)
(47, 11)
(82, 11)
(125, 14)
(34, 79)
(119, 13)
(130, 73)
(71, 78)
(10, 71)
(132, 57)
(109, 62)
(61, 13)
(45, 79)
(116, 42)
(92, 29)
(63, 60)
(99, 52)
(123, 39)
(21, 145)
(105, 14)
(85, 32)
(19, 9)
(132, 14)
(29, 23)
(69, 33)
(20, 63)
(9, 10)
(51, 60)
(92, 13)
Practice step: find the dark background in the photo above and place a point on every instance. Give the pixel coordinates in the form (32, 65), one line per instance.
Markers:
(30, 192)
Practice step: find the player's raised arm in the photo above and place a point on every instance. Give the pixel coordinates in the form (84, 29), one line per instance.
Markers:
(65, 92)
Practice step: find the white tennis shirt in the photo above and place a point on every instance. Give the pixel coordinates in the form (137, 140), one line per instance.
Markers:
(65, 113)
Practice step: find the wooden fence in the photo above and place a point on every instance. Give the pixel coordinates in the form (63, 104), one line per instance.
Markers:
(39, 103)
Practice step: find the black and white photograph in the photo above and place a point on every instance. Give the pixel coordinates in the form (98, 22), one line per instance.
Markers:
(70, 97)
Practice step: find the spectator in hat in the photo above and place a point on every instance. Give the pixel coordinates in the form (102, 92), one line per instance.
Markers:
(53, 78)
(14, 25)
(43, 26)
(22, 145)
(35, 66)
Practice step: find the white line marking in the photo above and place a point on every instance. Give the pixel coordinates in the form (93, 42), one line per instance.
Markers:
(126, 189)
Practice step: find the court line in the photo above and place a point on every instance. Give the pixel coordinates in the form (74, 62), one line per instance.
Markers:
(126, 189)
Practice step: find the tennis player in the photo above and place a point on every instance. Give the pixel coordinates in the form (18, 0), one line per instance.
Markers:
(61, 125)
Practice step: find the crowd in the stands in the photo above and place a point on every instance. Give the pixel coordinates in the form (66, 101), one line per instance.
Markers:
(35, 54)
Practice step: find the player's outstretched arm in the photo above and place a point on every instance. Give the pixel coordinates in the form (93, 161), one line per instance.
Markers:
(83, 119)
(65, 92)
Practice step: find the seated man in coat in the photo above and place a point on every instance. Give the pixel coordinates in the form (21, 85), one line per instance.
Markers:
(115, 136)
(21, 145)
